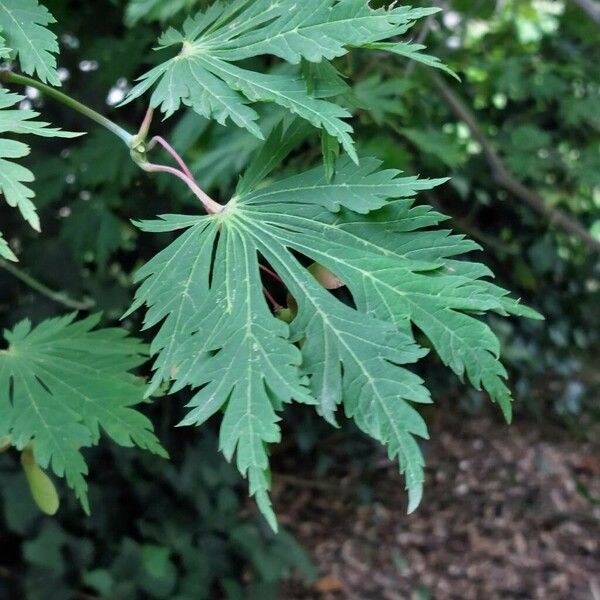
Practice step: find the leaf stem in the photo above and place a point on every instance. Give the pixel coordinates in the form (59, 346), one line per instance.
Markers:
(142, 134)
(10, 77)
(38, 286)
(157, 139)
(271, 273)
(269, 296)
(134, 142)
(209, 204)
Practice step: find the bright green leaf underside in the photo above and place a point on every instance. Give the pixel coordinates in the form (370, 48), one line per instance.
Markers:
(219, 336)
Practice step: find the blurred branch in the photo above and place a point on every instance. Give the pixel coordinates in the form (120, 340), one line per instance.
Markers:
(591, 8)
(502, 175)
(38, 286)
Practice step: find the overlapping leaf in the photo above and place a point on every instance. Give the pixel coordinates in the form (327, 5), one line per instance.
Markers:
(413, 52)
(62, 383)
(13, 176)
(4, 50)
(154, 10)
(204, 77)
(24, 25)
(219, 335)
(5, 251)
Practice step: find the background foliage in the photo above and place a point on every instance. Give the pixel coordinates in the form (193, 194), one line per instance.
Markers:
(531, 86)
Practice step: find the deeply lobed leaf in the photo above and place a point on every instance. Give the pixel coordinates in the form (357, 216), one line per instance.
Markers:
(154, 10)
(61, 383)
(14, 177)
(4, 49)
(204, 77)
(5, 251)
(219, 335)
(24, 24)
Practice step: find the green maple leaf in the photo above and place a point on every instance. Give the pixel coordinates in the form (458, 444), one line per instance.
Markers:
(24, 25)
(14, 177)
(4, 51)
(62, 383)
(154, 10)
(5, 251)
(203, 75)
(219, 336)
(413, 52)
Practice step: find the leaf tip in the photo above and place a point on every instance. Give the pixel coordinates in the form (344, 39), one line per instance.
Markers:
(415, 495)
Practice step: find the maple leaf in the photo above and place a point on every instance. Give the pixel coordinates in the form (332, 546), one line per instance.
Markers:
(5, 251)
(413, 52)
(204, 77)
(154, 10)
(219, 336)
(4, 50)
(13, 176)
(62, 383)
(24, 26)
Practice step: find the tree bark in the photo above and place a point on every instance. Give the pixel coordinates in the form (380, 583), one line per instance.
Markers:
(504, 178)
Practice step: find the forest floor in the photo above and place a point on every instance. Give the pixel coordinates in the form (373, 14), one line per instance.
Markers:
(507, 513)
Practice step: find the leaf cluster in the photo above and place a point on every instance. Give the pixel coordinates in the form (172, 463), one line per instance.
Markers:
(247, 345)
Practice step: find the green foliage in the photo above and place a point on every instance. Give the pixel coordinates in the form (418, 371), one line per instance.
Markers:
(24, 25)
(413, 52)
(4, 51)
(154, 10)
(5, 250)
(244, 359)
(202, 74)
(223, 346)
(61, 383)
(175, 532)
(529, 77)
(92, 231)
(14, 177)
(219, 335)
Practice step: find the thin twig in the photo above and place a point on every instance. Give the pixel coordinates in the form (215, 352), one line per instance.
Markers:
(130, 140)
(502, 175)
(38, 286)
(10, 77)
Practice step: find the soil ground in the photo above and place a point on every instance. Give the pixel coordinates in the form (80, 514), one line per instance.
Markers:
(507, 513)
